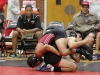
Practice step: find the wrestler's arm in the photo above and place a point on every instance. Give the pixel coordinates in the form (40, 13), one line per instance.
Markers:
(62, 47)
(41, 50)
(43, 47)
(73, 43)
(49, 48)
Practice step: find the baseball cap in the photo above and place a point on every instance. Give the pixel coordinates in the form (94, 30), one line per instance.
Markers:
(85, 3)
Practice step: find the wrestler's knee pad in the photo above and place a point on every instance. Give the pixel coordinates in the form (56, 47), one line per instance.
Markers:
(88, 48)
(32, 61)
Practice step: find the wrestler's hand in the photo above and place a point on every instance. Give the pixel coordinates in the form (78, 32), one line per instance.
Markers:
(50, 48)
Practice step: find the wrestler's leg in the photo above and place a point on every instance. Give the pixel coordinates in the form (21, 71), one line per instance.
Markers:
(62, 66)
(76, 57)
(67, 65)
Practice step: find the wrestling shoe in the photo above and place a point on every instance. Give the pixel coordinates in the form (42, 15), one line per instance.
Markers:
(47, 68)
(85, 53)
(42, 65)
(88, 48)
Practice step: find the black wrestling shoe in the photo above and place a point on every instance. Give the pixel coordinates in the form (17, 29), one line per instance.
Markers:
(88, 48)
(85, 53)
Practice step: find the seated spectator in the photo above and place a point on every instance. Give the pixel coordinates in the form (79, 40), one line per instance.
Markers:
(1, 23)
(85, 21)
(28, 24)
(96, 55)
(1, 27)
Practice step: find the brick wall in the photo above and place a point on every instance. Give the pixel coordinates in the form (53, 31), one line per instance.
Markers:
(40, 4)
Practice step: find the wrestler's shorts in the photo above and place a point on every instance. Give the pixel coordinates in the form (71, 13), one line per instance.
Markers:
(47, 38)
(53, 34)
(51, 58)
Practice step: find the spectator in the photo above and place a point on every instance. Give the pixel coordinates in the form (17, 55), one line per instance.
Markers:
(13, 10)
(96, 55)
(1, 22)
(85, 21)
(28, 24)
(1, 27)
(2, 4)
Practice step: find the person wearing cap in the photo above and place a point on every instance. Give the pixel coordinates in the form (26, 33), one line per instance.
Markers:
(97, 49)
(85, 22)
(94, 7)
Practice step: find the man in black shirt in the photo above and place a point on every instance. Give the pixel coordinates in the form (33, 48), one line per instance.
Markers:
(28, 24)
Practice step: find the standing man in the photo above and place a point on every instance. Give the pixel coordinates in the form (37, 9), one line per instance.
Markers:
(28, 24)
(85, 21)
(13, 11)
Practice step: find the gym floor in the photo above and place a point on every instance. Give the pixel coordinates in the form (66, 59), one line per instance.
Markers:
(18, 66)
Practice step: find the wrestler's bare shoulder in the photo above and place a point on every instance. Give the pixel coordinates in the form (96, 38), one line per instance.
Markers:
(70, 38)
